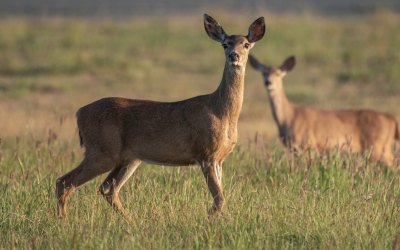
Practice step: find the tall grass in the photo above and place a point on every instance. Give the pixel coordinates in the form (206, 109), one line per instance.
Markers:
(274, 200)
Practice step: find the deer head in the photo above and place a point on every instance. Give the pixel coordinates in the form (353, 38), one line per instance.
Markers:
(236, 47)
(273, 75)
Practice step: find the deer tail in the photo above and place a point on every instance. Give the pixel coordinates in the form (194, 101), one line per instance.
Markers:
(80, 134)
(80, 139)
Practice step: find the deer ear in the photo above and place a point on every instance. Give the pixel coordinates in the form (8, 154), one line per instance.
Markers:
(256, 30)
(288, 65)
(255, 63)
(214, 29)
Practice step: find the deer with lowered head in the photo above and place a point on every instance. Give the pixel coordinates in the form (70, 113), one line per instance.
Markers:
(300, 127)
(118, 134)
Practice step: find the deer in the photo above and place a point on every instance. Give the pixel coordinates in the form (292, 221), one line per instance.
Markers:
(118, 134)
(301, 127)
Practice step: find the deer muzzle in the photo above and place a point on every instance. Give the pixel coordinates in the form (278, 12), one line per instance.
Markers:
(234, 58)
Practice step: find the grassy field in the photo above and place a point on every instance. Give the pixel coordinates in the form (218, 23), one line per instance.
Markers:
(275, 200)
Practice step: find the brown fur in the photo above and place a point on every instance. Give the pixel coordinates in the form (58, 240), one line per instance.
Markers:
(119, 133)
(299, 127)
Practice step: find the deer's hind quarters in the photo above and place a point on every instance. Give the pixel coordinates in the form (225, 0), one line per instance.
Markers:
(119, 133)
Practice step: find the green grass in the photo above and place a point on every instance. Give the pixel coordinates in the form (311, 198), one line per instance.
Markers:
(274, 200)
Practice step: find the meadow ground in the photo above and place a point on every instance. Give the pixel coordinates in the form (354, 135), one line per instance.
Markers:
(51, 67)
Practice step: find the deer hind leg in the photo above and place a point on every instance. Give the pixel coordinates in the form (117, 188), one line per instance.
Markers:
(87, 170)
(114, 181)
(388, 157)
(213, 174)
(382, 154)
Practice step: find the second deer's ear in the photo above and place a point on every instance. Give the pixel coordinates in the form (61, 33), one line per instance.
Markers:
(255, 63)
(214, 29)
(256, 30)
(289, 63)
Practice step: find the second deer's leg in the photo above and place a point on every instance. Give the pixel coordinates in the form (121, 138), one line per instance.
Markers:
(115, 180)
(376, 153)
(213, 174)
(388, 157)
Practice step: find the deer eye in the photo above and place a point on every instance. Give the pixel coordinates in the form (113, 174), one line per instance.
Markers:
(225, 46)
(246, 45)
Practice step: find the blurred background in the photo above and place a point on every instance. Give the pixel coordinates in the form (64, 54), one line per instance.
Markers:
(129, 8)
(56, 56)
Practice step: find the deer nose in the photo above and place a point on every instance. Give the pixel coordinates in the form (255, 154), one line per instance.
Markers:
(267, 83)
(233, 56)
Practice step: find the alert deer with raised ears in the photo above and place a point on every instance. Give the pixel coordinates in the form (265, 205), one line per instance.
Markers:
(118, 134)
(300, 127)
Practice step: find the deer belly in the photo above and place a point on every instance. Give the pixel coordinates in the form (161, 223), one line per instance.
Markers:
(176, 163)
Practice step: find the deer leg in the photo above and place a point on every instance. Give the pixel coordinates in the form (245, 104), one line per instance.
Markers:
(388, 157)
(87, 170)
(213, 174)
(382, 154)
(114, 181)
(377, 153)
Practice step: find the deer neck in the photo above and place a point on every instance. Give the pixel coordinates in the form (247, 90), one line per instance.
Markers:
(282, 109)
(228, 98)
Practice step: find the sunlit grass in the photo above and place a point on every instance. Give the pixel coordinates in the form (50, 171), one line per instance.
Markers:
(274, 200)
